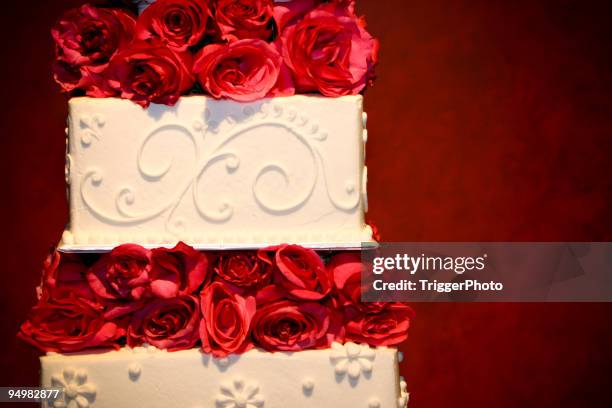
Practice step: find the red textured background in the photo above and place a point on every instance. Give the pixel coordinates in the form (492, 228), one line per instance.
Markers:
(491, 121)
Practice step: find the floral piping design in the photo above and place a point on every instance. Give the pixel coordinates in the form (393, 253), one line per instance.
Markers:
(239, 394)
(352, 359)
(78, 393)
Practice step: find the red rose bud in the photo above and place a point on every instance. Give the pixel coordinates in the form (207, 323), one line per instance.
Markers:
(245, 269)
(346, 268)
(151, 73)
(86, 39)
(301, 273)
(168, 324)
(226, 320)
(239, 19)
(69, 324)
(292, 326)
(122, 274)
(178, 271)
(179, 24)
(387, 327)
(64, 273)
(330, 51)
(245, 70)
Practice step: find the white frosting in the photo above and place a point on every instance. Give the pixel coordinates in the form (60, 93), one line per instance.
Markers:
(402, 401)
(191, 379)
(217, 174)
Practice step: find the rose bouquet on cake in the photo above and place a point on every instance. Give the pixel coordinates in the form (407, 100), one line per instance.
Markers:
(243, 50)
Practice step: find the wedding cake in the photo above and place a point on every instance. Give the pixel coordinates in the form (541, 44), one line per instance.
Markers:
(217, 190)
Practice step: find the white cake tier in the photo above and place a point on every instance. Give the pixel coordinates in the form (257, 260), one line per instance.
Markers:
(217, 173)
(348, 376)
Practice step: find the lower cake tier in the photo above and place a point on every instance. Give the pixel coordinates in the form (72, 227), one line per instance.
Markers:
(345, 376)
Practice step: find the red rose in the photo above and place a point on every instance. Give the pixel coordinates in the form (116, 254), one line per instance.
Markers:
(122, 274)
(387, 327)
(86, 39)
(291, 326)
(64, 273)
(226, 318)
(151, 73)
(179, 24)
(244, 269)
(346, 268)
(330, 51)
(177, 271)
(68, 77)
(301, 273)
(289, 11)
(170, 324)
(239, 19)
(245, 70)
(69, 324)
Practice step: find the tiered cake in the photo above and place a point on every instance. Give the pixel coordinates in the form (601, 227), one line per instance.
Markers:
(216, 217)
